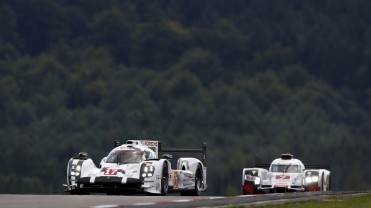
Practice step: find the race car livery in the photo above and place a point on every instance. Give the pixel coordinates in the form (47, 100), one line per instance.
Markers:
(135, 167)
(285, 174)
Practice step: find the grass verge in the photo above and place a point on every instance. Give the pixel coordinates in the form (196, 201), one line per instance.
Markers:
(359, 201)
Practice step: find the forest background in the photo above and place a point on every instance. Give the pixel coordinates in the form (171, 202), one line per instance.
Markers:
(247, 77)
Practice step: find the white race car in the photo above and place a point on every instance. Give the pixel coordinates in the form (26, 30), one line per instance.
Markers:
(135, 167)
(285, 174)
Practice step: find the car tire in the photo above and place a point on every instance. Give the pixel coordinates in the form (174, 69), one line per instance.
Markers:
(164, 180)
(198, 184)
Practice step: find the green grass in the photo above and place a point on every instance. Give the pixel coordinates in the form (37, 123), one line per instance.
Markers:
(362, 201)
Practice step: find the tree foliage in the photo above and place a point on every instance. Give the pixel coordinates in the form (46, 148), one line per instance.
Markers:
(248, 77)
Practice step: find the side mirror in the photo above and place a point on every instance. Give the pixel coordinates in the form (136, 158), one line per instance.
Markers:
(83, 156)
(102, 161)
(116, 143)
(167, 156)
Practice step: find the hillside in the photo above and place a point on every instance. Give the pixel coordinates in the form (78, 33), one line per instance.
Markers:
(247, 77)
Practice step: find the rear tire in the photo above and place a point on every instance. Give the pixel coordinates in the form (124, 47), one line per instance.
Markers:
(198, 184)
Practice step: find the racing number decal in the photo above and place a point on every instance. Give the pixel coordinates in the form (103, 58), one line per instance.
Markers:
(279, 177)
(111, 172)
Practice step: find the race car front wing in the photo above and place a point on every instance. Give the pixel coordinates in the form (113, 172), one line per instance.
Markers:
(104, 184)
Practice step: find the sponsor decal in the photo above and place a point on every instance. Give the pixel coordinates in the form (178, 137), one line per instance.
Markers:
(282, 177)
(175, 180)
(188, 175)
(188, 181)
(280, 185)
(151, 143)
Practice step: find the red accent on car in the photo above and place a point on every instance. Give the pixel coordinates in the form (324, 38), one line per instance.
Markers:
(248, 189)
(283, 177)
(314, 188)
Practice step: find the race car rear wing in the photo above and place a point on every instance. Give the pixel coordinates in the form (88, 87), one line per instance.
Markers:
(327, 167)
(157, 148)
(170, 149)
(307, 167)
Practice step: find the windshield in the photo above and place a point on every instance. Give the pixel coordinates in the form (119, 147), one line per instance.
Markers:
(286, 168)
(125, 156)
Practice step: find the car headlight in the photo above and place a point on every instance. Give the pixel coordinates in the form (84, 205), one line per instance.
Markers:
(249, 178)
(148, 171)
(75, 170)
(315, 178)
(257, 180)
(311, 179)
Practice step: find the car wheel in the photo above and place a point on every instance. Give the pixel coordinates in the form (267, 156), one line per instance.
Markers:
(164, 180)
(198, 184)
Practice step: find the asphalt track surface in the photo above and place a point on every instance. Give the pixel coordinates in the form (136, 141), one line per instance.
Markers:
(104, 201)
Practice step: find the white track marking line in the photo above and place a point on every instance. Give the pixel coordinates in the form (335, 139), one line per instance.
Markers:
(217, 197)
(143, 204)
(183, 200)
(106, 206)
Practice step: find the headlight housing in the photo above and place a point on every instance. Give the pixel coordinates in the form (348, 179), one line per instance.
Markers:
(257, 180)
(310, 179)
(75, 170)
(147, 171)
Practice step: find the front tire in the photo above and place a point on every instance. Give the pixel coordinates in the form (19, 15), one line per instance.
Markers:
(322, 182)
(165, 180)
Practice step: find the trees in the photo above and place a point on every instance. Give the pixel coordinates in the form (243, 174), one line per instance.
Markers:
(246, 77)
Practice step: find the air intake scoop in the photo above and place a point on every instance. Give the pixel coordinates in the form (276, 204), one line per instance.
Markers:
(287, 156)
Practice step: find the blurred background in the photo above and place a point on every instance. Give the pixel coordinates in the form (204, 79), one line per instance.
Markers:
(247, 77)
